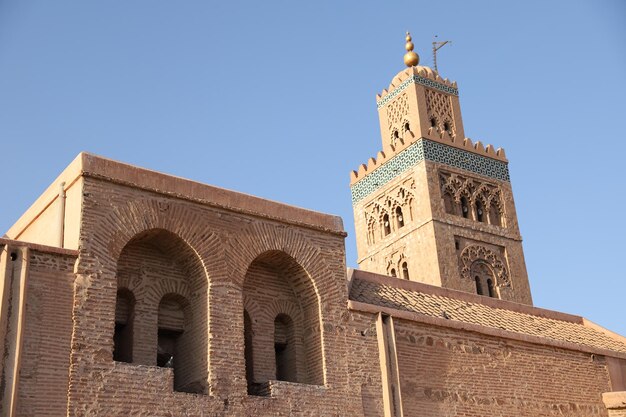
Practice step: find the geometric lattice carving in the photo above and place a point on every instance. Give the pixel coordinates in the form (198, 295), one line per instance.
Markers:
(397, 110)
(439, 108)
(417, 80)
(480, 254)
(489, 196)
(425, 149)
(386, 206)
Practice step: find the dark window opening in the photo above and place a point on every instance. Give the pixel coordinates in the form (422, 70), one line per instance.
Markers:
(479, 285)
(433, 122)
(399, 218)
(464, 207)
(457, 244)
(492, 292)
(405, 270)
(166, 347)
(396, 135)
(285, 349)
(446, 127)
(479, 211)
(386, 225)
(123, 336)
(393, 272)
(407, 127)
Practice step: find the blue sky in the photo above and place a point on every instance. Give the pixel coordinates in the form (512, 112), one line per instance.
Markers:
(277, 99)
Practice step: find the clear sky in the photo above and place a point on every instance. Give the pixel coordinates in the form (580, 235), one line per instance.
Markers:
(277, 99)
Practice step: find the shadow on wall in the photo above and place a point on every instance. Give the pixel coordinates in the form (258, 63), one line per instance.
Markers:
(281, 323)
(161, 308)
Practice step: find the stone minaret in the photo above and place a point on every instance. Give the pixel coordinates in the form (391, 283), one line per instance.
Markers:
(433, 206)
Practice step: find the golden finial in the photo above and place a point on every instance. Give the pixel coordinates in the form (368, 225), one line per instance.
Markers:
(411, 59)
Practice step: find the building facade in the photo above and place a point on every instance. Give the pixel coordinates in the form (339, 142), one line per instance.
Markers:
(131, 292)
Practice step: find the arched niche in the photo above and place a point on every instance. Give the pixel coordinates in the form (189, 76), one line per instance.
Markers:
(286, 336)
(170, 287)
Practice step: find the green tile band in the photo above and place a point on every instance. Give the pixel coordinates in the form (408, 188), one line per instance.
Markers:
(428, 150)
(417, 80)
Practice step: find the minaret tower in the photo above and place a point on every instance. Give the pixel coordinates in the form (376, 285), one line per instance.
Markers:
(433, 206)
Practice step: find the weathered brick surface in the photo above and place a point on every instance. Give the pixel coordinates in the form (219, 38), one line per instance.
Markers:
(47, 335)
(446, 373)
(220, 262)
(226, 245)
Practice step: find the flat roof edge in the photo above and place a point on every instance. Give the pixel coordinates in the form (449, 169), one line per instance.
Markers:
(133, 176)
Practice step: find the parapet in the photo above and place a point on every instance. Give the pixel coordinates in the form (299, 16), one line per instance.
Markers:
(467, 145)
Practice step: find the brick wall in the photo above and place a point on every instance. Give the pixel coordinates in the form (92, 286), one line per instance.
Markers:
(446, 372)
(43, 380)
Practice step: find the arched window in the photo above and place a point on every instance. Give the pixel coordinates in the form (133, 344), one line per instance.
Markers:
(287, 343)
(285, 348)
(393, 272)
(386, 224)
(399, 218)
(464, 207)
(405, 270)
(124, 316)
(407, 127)
(171, 326)
(484, 278)
(247, 340)
(480, 211)
(495, 217)
(492, 292)
(479, 285)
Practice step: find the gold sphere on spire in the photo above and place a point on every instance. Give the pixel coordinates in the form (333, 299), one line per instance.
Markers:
(411, 59)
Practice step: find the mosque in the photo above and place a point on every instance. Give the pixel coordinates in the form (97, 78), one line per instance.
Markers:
(130, 292)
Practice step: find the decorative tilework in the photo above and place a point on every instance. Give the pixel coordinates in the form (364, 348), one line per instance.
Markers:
(425, 149)
(406, 159)
(418, 80)
(462, 159)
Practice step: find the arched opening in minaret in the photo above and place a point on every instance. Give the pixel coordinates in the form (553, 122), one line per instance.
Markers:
(285, 348)
(124, 316)
(386, 224)
(464, 207)
(399, 217)
(492, 291)
(484, 278)
(393, 273)
(395, 137)
(447, 127)
(405, 270)
(480, 211)
(407, 127)
(495, 217)
(479, 285)
(247, 350)
(433, 122)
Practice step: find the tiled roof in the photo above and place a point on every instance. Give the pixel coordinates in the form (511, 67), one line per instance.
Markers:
(434, 305)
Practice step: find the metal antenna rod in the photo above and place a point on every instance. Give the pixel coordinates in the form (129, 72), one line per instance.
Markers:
(437, 45)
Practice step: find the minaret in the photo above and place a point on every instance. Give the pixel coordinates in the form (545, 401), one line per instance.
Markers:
(433, 206)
